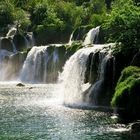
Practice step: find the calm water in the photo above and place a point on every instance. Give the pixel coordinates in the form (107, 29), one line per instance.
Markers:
(35, 112)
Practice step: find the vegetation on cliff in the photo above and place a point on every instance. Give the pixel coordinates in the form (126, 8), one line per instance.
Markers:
(127, 97)
(122, 26)
(57, 18)
(119, 19)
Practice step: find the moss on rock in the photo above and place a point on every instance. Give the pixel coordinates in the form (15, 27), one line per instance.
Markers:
(127, 94)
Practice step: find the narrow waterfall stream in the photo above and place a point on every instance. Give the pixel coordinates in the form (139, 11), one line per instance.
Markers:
(92, 36)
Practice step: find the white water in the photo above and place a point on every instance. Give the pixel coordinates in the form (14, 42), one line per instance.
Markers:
(4, 68)
(30, 41)
(70, 40)
(31, 68)
(91, 36)
(73, 75)
(11, 32)
(37, 63)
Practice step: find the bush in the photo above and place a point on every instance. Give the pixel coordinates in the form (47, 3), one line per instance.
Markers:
(123, 26)
(6, 14)
(127, 94)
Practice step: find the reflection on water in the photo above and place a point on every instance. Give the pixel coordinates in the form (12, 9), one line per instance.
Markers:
(35, 112)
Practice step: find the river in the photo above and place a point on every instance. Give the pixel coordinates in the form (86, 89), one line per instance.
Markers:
(36, 112)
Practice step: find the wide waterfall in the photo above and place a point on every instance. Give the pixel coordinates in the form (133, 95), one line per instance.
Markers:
(87, 76)
(42, 65)
(81, 80)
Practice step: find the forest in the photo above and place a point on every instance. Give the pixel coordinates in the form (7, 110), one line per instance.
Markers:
(119, 19)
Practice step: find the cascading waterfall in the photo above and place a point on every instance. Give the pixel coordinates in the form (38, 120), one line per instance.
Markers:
(4, 68)
(32, 65)
(40, 65)
(92, 36)
(100, 89)
(82, 81)
(73, 75)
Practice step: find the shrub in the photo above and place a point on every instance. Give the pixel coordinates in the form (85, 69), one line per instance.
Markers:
(6, 14)
(123, 25)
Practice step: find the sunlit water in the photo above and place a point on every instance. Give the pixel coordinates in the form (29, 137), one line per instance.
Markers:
(35, 112)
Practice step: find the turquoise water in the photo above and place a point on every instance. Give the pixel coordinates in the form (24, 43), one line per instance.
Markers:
(35, 112)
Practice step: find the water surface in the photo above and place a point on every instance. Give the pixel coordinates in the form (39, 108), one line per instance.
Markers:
(35, 112)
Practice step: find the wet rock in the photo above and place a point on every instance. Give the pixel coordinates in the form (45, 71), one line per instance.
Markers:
(20, 85)
(135, 61)
(6, 44)
(135, 128)
(92, 65)
(20, 42)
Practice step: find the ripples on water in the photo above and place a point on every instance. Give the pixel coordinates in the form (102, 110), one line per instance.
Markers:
(35, 112)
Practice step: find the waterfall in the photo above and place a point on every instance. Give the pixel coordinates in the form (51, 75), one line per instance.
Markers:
(71, 39)
(92, 36)
(41, 65)
(74, 88)
(10, 65)
(32, 66)
(11, 32)
(14, 47)
(29, 38)
(4, 68)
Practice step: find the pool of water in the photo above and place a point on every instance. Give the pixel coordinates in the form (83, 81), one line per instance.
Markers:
(35, 112)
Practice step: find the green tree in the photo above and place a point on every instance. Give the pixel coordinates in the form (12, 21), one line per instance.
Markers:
(6, 14)
(123, 25)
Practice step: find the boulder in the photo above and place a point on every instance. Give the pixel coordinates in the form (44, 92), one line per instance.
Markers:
(20, 85)
(136, 60)
(135, 127)
(20, 42)
(6, 44)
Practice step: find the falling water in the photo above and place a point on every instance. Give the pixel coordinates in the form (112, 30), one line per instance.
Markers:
(71, 39)
(29, 38)
(4, 68)
(92, 36)
(32, 65)
(14, 47)
(40, 65)
(11, 32)
(73, 75)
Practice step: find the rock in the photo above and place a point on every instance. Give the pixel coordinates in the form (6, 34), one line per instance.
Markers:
(20, 42)
(80, 32)
(135, 127)
(20, 85)
(6, 44)
(135, 61)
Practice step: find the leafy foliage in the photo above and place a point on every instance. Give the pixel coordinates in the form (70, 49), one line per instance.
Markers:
(6, 14)
(123, 25)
